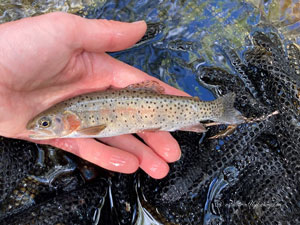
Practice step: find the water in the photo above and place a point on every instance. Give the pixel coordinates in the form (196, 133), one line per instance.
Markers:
(215, 188)
(193, 32)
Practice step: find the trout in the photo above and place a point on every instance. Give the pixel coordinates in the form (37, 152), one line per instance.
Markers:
(139, 107)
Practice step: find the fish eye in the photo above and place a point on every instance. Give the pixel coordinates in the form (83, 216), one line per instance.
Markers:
(45, 122)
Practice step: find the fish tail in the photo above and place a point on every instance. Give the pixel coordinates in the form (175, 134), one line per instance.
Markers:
(228, 114)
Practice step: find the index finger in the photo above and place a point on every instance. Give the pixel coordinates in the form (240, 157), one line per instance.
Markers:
(99, 35)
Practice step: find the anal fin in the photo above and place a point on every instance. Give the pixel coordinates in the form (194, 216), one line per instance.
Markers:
(229, 130)
(150, 130)
(149, 85)
(92, 130)
(199, 128)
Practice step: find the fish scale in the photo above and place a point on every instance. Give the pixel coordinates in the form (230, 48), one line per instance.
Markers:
(132, 110)
(137, 110)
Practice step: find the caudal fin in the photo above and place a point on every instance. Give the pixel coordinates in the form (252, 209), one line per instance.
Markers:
(229, 114)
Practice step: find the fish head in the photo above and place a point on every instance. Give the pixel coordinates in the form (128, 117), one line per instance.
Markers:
(50, 125)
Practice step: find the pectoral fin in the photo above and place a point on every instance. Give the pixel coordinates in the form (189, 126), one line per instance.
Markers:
(149, 85)
(199, 128)
(92, 130)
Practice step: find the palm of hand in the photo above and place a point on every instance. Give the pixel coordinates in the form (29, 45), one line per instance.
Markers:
(56, 56)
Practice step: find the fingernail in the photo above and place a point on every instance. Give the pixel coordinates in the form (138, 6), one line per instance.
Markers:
(159, 171)
(138, 22)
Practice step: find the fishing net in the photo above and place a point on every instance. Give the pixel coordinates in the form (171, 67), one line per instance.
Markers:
(250, 176)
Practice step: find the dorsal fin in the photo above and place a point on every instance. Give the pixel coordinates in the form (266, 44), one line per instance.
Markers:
(149, 85)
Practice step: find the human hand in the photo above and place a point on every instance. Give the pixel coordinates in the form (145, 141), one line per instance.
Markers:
(49, 58)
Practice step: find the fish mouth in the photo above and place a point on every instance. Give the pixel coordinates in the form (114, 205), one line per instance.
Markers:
(41, 135)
